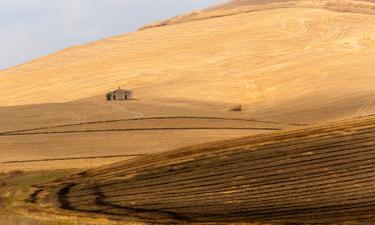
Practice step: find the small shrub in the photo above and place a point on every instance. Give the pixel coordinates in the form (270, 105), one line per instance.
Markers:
(236, 108)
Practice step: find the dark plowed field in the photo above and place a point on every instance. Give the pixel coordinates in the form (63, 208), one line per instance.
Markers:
(315, 175)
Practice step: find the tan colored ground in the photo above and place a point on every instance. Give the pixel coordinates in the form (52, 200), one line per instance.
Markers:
(313, 175)
(358, 4)
(283, 63)
(94, 132)
(276, 62)
(288, 63)
(96, 149)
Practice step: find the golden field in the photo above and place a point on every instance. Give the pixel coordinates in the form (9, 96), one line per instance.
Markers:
(86, 135)
(299, 152)
(315, 175)
(285, 63)
(277, 62)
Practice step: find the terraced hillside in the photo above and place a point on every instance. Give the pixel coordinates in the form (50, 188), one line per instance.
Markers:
(315, 175)
(304, 57)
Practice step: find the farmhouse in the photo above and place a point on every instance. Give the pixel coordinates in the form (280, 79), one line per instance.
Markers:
(119, 95)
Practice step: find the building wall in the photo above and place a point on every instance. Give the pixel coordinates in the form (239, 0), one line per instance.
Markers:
(119, 95)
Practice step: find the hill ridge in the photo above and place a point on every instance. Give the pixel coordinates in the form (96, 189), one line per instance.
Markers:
(236, 7)
(249, 179)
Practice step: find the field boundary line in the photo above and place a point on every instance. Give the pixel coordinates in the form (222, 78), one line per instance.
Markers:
(74, 158)
(143, 129)
(154, 118)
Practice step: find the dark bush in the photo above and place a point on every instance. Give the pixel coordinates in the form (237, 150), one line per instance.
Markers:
(236, 108)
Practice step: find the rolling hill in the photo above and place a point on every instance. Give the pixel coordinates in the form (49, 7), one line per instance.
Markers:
(281, 59)
(300, 152)
(313, 175)
(290, 63)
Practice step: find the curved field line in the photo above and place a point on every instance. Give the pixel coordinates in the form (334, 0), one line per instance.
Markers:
(246, 141)
(155, 118)
(320, 175)
(234, 153)
(142, 129)
(73, 158)
(212, 179)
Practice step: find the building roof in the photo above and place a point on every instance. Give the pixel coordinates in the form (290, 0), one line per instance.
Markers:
(121, 91)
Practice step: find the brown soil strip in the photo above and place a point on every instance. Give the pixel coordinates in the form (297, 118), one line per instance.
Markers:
(141, 129)
(314, 175)
(74, 158)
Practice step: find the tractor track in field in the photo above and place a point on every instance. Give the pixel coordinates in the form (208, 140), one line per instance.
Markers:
(142, 129)
(321, 174)
(39, 130)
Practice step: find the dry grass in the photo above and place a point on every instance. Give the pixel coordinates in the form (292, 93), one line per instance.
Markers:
(235, 7)
(283, 65)
(89, 150)
(287, 177)
(274, 61)
(289, 63)
(15, 208)
(115, 133)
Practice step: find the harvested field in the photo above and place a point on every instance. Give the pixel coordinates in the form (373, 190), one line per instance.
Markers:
(15, 188)
(238, 3)
(283, 63)
(235, 7)
(41, 164)
(96, 146)
(36, 139)
(159, 123)
(99, 143)
(314, 175)
(293, 67)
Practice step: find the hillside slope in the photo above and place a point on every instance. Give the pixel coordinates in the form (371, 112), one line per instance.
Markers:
(358, 4)
(276, 61)
(315, 175)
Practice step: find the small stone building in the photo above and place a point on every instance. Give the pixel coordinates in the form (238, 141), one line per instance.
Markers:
(119, 95)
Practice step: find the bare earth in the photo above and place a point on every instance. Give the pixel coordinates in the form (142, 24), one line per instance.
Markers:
(315, 175)
(282, 64)
(293, 65)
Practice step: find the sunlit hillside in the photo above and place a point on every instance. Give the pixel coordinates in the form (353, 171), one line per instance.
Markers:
(275, 60)
(259, 112)
(315, 175)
